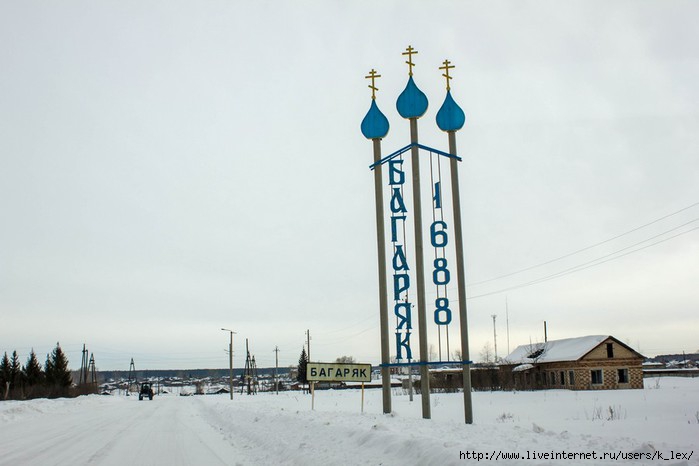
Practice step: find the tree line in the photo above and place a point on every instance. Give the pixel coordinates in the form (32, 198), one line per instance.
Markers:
(31, 380)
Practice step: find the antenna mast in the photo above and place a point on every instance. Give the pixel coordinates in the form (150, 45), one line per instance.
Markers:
(507, 320)
(495, 339)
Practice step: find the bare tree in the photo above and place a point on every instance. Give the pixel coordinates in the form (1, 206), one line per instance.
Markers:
(198, 387)
(346, 360)
(487, 353)
(535, 351)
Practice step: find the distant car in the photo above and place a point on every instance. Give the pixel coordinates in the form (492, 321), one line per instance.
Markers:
(146, 390)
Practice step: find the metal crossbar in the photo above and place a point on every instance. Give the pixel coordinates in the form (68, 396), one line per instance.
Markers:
(407, 148)
(424, 363)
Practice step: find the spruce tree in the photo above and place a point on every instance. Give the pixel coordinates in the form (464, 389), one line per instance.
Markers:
(33, 375)
(303, 363)
(15, 371)
(4, 371)
(49, 372)
(62, 375)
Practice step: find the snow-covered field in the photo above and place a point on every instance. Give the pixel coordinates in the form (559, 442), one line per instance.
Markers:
(265, 429)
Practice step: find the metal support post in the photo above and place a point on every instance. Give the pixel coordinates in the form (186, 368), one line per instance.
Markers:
(461, 278)
(383, 299)
(420, 274)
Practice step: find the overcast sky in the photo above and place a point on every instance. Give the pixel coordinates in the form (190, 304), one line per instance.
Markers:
(171, 168)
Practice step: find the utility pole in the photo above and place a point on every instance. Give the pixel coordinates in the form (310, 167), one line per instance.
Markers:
(255, 380)
(276, 369)
(230, 361)
(83, 371)
(495, 338)
(132, 372)
(250, 372)
(91, 370)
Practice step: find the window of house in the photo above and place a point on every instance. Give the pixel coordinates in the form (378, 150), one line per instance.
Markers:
(623, 375)
(610, 350)
(553, 378)
(596, 377)
(563, 378)
(571, 377)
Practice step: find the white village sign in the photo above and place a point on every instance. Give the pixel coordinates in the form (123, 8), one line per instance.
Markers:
(337, 372)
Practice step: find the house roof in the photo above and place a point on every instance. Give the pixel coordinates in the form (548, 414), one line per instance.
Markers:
(567, 349)
(523, 367)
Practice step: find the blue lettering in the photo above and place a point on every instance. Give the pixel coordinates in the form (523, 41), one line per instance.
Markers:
(397, 204)
(442, 308)
(437, 195)
(401, 283)
(403, 341)
(403, 318)
(395, 169)
(438, 237)
(440, 266)
(399, 260)
(394, 226)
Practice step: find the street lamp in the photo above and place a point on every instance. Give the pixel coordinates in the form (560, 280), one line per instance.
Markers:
(230, 360)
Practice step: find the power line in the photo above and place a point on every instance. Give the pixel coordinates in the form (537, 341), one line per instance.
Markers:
(346, 327)
(346, 337)
(581, 250)
(589, 264)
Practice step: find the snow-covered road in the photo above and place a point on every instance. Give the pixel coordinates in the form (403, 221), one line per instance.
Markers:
(266, 429)
(117, 431)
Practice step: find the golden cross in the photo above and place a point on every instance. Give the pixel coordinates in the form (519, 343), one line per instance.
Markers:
(447, 66)
(372, 86)
(409, 52)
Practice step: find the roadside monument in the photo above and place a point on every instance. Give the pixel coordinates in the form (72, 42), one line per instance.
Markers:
(444, 233)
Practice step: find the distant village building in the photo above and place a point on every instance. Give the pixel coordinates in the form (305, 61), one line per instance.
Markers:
(594, 362)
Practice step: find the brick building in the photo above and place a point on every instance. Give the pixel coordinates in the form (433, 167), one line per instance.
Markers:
(594, 362)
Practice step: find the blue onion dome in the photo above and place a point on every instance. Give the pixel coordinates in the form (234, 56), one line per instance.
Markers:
(375, 123)
(450, 117)
(412, 102)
